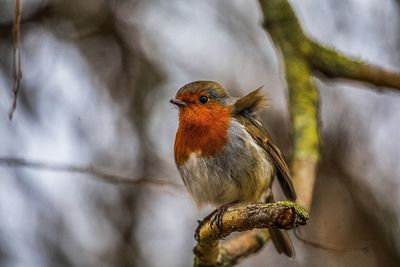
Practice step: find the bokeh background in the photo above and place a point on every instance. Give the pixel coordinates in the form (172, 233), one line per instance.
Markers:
(97, 77)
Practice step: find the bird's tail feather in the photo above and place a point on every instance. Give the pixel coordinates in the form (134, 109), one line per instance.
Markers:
(279, 237)
(282, 242)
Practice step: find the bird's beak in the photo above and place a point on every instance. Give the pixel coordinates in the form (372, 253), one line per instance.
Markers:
(178, 102)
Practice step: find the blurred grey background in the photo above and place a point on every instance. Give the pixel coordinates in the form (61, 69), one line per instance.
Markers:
(97, 77)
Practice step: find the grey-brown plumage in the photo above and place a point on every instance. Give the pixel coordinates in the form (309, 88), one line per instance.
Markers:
(245, 111)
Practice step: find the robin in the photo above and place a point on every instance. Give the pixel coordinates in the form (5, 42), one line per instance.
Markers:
(224, 154)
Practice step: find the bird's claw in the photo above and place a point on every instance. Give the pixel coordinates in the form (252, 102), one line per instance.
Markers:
(215, 218)
(202, 222)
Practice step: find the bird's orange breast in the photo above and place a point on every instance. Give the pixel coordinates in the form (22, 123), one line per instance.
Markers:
(202, 129)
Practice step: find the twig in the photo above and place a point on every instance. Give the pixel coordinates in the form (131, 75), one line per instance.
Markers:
(282, 214)
(235, 249)
(16, 57)
(95, 171)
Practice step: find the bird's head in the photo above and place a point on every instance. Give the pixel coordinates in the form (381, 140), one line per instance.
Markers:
(201, 101)
(200, 94)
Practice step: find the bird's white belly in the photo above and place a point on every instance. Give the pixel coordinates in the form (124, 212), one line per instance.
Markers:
(240, 172)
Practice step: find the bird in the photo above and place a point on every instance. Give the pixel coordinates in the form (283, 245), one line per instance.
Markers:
(224, 154)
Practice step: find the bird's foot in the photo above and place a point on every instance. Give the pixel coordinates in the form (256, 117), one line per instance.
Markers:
(202, 222)
(215, 217)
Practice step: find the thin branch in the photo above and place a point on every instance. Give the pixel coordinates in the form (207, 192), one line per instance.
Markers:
(304, 175)
(91, 170)
(282, 214)
(334, 64)
(16, 57)
(235, 249)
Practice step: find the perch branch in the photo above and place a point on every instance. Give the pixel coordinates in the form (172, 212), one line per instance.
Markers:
(91, 170)
(282, 214)
(16, 57)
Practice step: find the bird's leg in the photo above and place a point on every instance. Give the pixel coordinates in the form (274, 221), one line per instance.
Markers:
(202, 222)
(215, 217)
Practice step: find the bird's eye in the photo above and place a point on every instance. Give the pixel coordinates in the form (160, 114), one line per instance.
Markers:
(203, 99)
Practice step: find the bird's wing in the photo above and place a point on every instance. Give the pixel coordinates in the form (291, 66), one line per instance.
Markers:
(245, 111)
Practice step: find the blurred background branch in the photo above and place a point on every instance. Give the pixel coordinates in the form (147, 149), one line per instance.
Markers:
(334, 64)
(282, 25)
(16, 57)
(105, 176)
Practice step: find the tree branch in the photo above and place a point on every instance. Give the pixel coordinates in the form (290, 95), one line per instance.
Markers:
(282, 214)
(91, 170)
(16, 57)
(285, 31)
(233, 250)
(334, 64)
